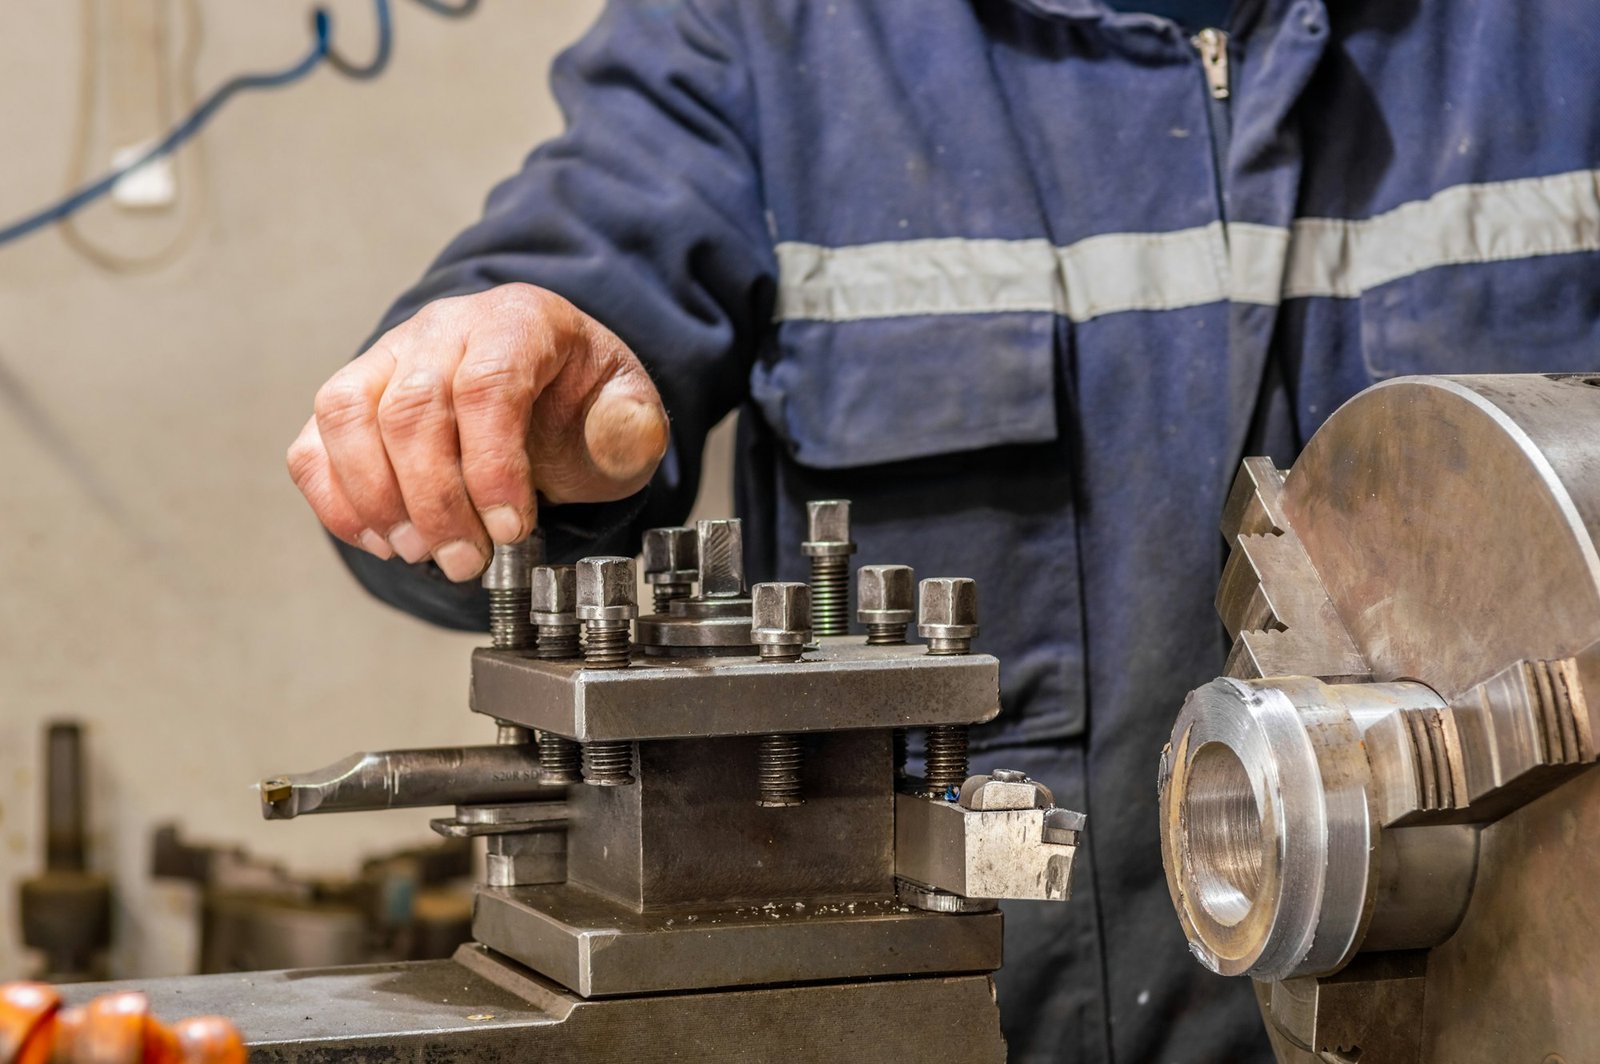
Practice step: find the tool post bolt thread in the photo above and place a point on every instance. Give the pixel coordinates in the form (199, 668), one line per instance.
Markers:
(780, 626)
(560, 760)
(947, 617)
(886, 601)
(608, 764)
(829, 546)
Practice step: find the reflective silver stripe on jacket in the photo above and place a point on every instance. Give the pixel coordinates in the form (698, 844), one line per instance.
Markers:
(1246, 263)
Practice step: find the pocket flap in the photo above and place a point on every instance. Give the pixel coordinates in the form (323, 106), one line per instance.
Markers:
(857, 393)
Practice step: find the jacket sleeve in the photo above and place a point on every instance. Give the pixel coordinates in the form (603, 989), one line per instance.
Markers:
(647, 214)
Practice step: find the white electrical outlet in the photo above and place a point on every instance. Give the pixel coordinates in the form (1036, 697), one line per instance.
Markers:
(153, 186)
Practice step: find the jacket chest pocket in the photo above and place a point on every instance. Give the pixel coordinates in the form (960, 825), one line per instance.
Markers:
(849, 394)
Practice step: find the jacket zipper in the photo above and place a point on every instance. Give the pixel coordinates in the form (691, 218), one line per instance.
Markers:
(1212, 46)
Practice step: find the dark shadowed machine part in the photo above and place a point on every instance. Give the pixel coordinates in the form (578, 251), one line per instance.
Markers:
(66, 909)
(1386, 813)
(699, 840)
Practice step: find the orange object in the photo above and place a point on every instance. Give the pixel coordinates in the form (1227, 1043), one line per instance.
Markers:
(114, 1028)
(27, 1022)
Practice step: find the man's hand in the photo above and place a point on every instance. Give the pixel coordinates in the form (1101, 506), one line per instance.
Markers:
(435, 440)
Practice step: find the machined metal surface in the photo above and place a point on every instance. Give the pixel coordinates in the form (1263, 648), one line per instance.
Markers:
(987, 853)
(599, 949)
(409, 779)
(1408, 865)
(481, 1009)
(848, 686)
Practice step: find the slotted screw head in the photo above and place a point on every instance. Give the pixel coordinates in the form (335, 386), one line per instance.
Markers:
(721, 558)
(606, 589)
(828, 528)
(780, 614)
(948, 608)
(885, 594)
(555, 593)
(671, 556)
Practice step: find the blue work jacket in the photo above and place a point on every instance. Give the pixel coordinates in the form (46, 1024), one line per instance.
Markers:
(1025, 279)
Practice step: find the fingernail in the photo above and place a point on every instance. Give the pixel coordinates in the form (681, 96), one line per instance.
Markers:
(408, 542)
(375, 544)
(503, 523)
(460, 560)
(625, 437)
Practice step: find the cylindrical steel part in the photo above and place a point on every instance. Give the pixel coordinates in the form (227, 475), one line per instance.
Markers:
(509, 627)
(886, 635)
(667, 594)
(560, 760)
(605, 644)
(778, 775)
(410, 779)
(608, 764)
(830, 594)
(1269, 828)
(946, 757)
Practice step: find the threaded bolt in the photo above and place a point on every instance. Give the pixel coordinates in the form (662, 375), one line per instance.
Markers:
(559, 759)
(886, 599)
(947, 758)
(947, 617)
(606, 604)
(829, 547)
(509, 734)
(780, 767)
(508, 581)
(780, 626)
(608, 764)
(553, 606)
(671, 564)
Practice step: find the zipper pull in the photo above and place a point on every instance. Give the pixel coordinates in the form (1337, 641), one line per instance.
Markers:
(1212, 44)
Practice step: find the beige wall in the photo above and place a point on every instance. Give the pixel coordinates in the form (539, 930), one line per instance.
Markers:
(159, 576)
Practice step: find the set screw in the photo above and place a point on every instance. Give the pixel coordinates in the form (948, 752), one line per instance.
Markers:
(780, 626)
(829, 547)
(947, 617)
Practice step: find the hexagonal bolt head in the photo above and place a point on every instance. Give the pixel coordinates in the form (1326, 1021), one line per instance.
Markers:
(721, 558)
(671, 556)
(555, 594)
(780, 614)
(828, 528)
(606, 589)
(948, 608)
(886, 594)
(511, 566)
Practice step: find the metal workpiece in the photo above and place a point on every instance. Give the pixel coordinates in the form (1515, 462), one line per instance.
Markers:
(886, 602)
(829, 546)
(1391, 798)
(409, 779)
(599, 950)
(847, 686)
(671, 564)
(721, 546)
(1005, 838)
(509, 579)
(553, 610)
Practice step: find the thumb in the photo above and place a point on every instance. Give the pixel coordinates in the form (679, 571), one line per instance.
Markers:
(599, 432)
